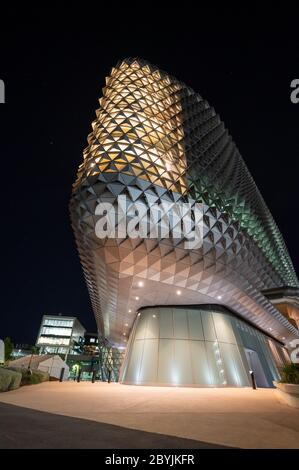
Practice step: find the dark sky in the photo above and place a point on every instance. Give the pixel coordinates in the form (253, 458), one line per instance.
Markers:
(54, 75)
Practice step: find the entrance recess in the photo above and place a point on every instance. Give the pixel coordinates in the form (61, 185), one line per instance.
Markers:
(256, 366)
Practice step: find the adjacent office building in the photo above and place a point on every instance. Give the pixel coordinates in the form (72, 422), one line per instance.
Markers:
(60, 335)
(202, 315)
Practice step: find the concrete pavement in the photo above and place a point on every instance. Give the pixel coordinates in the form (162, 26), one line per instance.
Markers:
(23, 428)
(242, 417)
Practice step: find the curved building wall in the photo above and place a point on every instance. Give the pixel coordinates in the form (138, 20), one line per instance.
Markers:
(205, 346)
(154, 140)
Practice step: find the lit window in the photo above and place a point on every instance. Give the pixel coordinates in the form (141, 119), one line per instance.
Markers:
(53, 322)
(56, 331)
(49, 340)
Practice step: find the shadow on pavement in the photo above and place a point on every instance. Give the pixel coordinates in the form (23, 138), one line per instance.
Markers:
(24, 428)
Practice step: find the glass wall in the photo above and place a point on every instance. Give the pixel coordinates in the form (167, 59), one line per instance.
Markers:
(194, 346)
(51, 340)
(46, 330)
(53, 322)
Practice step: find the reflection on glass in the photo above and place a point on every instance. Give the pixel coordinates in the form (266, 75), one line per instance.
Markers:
(194, 346)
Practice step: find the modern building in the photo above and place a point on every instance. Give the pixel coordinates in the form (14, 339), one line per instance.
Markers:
(96, 356)
(91, 344)
(60, 335)
(185, 314)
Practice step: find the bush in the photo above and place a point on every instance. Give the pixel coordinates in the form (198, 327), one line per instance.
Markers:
(5, 379)
(290, 374)
(9, 379)
(32, 377)
(8, 348)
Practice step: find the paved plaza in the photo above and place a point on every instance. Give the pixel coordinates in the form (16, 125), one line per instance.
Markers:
(233, 417)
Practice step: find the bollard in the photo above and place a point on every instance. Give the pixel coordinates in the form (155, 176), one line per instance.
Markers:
(93, 378)
(79, 376)
(253, 379)
(61, 374)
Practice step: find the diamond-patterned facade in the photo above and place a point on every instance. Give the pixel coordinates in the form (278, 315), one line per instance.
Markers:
(110, 361)
(155, 140)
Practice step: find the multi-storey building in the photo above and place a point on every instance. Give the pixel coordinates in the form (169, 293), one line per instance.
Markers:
(59, 334)
(187, 315)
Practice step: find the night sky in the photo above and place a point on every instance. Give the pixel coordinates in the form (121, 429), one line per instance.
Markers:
(53, 78)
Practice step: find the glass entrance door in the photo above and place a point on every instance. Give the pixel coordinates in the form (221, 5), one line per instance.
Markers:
(256, 366)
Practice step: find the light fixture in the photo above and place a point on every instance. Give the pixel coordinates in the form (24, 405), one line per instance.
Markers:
(140, 284)
(154, 316)
(130, 311)
(219, 297)
(126, 324)
(283, 337)
(136, 298)
(124, 333)
(138, 314)
(270, 329)
(178, 292)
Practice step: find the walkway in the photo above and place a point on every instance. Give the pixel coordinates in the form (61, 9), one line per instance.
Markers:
(243, 417)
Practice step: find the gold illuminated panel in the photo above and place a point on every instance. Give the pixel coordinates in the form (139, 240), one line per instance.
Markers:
(291, 312)
(138, 130)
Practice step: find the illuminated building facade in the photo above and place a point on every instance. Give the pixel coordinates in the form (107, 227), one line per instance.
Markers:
(90, 344)
(185, 316)
(60, 335)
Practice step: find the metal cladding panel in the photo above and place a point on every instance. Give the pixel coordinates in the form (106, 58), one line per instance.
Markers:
(154, 140)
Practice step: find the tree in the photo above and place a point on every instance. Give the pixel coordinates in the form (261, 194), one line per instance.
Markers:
(34, 350)
(8, 344)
